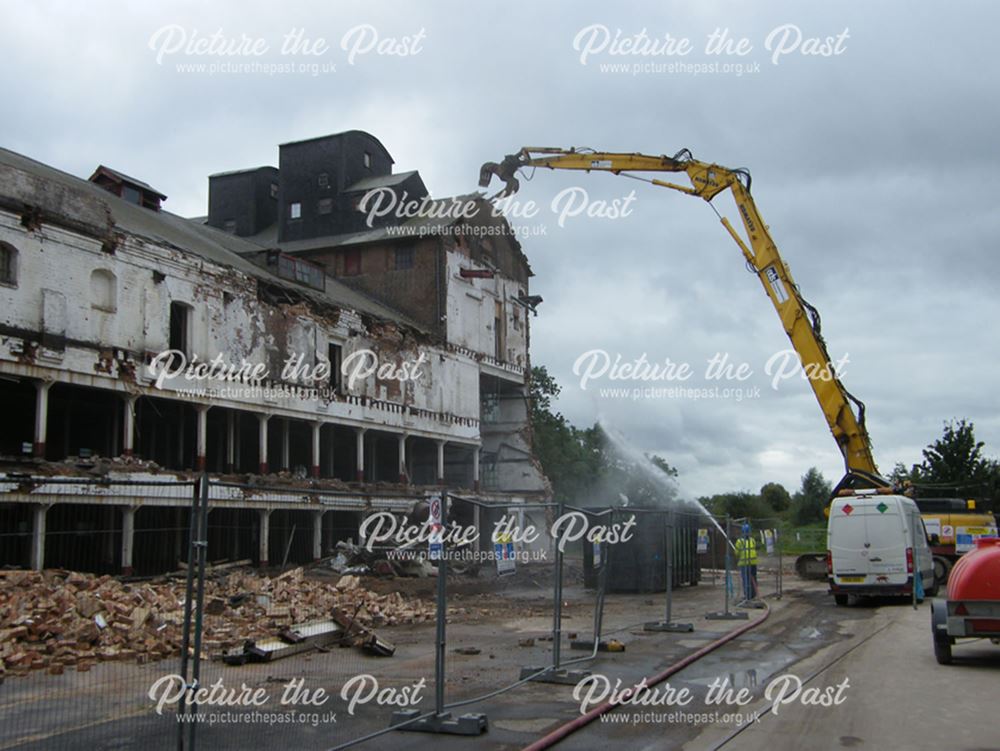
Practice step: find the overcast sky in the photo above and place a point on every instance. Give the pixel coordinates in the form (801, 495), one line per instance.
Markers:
(875, 167)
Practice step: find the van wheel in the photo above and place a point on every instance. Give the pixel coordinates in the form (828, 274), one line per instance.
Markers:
(942, 649)
(942, 642)
(840, 599)
(942, 567)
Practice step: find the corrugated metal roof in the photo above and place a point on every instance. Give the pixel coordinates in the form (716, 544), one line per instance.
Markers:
(197, 238)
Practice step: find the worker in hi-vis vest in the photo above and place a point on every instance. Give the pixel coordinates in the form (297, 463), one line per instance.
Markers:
(746, 559)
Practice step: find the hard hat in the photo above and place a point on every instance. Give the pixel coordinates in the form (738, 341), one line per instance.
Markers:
(746, 529)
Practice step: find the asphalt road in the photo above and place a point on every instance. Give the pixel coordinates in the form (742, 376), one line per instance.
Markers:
(897, 696)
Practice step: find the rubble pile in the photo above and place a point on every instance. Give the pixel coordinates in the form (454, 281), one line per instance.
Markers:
(53, 619)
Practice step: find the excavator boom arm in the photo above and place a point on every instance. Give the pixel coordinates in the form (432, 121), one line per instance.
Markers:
(800, 320)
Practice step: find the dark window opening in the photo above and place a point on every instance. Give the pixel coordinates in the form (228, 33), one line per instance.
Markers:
(230, 226)
(324, 206)
(8, 264)
(179, 324)
(404, 258)
(323, 180)
(335, 355)
(274, 190)
(352, 262)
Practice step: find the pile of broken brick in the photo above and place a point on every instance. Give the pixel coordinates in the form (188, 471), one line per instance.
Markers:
(54, 619)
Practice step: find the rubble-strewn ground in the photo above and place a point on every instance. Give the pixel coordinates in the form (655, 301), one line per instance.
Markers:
(496, 627)
(54, 619)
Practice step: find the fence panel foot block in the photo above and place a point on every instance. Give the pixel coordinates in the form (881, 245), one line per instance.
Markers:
(554, 675)
(466, 724)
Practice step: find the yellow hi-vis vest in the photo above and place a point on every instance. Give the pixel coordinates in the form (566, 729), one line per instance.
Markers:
(746, 551)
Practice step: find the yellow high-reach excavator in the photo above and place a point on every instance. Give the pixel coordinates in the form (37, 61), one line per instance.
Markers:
(800, 320)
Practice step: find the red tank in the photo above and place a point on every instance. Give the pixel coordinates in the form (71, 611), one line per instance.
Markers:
(976, 576)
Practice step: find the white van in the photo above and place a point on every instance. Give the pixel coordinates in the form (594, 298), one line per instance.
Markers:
(873, 544)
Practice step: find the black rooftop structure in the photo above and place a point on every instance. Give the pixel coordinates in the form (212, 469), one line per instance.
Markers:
(315, 191)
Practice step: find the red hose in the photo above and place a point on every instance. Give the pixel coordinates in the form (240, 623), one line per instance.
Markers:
(585, 719)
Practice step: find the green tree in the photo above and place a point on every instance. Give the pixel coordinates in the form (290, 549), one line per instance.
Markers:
(582, 463)
(572, 459)
(954, 464)
(811, 498)
(737, 505)
(776, 496)
(900, 475)
(956, 458)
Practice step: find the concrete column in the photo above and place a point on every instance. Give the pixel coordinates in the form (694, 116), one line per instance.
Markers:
(41, 416)
(317, 426)
(318, 535)
(284, 444)
(128, 536)
(475, 469)
(201, 443)
(128, 425)
(262, 452)
(230, 440)
(359, 467)
(440, 462)
(403, 477)
(265, 532)
(38, 536)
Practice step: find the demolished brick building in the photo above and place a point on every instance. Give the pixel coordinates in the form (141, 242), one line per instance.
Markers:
(424, 321)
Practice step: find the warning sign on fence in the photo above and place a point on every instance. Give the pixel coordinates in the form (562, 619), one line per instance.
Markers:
(504, 551)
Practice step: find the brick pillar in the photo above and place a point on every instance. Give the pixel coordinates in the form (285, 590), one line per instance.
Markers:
(41, 416)
(359, 467)
(38, 536)
(317, 545)
(201, 441)
(317, 427)
(285, 451)
(403, 477)
(475, 468)
(440, 462)
(265, 533)
(262, 451)
(128, 538)
(128, 425)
